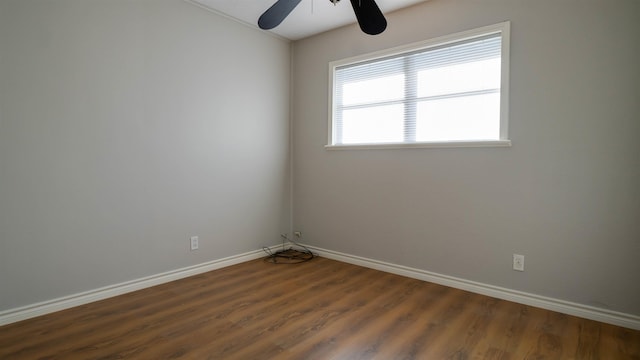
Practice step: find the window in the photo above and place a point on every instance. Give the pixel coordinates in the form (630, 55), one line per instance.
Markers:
(450, 91)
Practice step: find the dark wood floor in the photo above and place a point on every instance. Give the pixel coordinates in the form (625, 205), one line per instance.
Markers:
(321, 309)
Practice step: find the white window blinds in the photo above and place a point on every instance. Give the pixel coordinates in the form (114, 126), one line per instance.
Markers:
(444, 92)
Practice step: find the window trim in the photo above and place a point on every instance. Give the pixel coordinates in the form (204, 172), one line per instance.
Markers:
(503, 28)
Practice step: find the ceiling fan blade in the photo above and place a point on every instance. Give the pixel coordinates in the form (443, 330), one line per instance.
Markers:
(370, 18)
(276, 13)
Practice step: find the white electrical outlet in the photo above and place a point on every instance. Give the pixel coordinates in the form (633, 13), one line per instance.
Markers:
(518, 262)
(297, 234)
(194, 243)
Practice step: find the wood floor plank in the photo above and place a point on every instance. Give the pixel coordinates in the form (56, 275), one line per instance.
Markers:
(319, 314)
(357, 313)
(320, 309)
(505, 331)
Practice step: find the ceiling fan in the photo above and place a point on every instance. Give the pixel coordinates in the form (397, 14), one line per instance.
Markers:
(368, 14)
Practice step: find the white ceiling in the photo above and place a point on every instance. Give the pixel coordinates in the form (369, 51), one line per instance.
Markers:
(310, 17)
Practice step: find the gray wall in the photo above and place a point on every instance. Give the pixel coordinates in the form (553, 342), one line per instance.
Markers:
(566, 194)
(126, 126)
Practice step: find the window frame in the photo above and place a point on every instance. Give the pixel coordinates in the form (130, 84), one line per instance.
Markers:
(502, 28)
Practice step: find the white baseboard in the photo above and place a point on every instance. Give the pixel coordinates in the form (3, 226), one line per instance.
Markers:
(566, 307)
(47, 307)
(562, 306)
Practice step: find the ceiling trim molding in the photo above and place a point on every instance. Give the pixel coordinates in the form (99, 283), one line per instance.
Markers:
(242, 22)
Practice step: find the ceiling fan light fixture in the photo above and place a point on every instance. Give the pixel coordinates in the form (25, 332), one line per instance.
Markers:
(370, 18)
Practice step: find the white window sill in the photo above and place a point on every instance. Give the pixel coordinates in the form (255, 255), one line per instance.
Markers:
(420, 145)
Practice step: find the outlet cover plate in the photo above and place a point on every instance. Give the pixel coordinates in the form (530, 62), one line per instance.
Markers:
(518, 262)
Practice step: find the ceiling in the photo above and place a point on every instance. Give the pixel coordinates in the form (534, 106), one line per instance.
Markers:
(310, 17)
